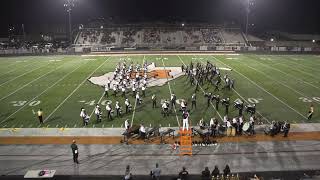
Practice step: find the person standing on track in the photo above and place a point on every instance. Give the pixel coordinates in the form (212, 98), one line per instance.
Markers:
(75, 152)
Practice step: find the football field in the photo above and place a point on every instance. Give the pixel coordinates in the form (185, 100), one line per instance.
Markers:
(282, 86)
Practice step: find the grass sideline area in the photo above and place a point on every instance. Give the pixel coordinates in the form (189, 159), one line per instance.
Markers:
(283, 86)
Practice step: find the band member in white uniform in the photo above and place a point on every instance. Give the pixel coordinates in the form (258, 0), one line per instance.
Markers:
(127, 103)
(165, 109)
(84, 116)
(109, 109)
(117, 108)
(126, 124)
(97, 112)
(138, 98)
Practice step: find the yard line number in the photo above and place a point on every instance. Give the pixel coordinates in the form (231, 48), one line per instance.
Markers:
(310, 99)
(93, 102)
(22, 103)
(250, 100)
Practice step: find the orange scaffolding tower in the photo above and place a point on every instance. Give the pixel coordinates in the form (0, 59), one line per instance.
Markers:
(185, 142)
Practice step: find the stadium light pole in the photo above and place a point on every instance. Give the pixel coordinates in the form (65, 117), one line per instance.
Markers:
(248, 4)
(69, 4)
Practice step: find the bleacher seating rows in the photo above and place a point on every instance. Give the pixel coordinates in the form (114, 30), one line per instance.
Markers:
(135, 37)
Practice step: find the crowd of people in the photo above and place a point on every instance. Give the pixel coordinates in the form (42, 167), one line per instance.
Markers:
(211, 36)
(151, 36)
(128, 36)
(107, 37)
(90, 36)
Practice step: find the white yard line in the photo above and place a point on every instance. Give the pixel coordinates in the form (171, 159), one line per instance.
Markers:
(290, 59)
(74, 91)
(32, 82)
(40, 94)
(203, 91)
(294, 77)
(97, 103)
(263, 89)
(174, 108)
(281, 83)
(22, 75)
(135, 102)
(14, 69)
(298, 70)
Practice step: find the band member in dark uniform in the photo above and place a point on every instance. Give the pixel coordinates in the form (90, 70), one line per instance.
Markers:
(226, 103)
(194, 101)
(286, 129)
(154, 101)
(310, 113)
(209, 97)
(173, 100)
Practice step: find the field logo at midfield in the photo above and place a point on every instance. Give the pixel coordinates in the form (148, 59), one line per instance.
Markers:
(157, 76)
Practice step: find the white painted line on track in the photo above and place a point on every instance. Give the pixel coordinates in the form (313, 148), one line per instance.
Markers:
(41, 93)
(174, 108)
(203, 91)
(75, 90)
(263, 89)
(32, 81)
(22, 75)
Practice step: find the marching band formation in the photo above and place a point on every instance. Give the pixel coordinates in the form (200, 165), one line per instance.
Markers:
(135, 77)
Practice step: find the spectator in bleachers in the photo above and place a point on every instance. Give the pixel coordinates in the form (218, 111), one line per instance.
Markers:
(205, 175)
(226, 170)
(183, 175)
(128, 175)
(215, 171)
(155, 173)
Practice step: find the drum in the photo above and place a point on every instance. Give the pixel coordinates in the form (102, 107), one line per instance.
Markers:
(229, 131)
(233, 131)
(246, 126)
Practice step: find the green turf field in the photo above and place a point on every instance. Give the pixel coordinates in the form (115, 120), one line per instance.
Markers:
(283, 86)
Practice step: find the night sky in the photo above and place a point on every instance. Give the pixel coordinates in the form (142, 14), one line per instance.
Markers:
(299, 16)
